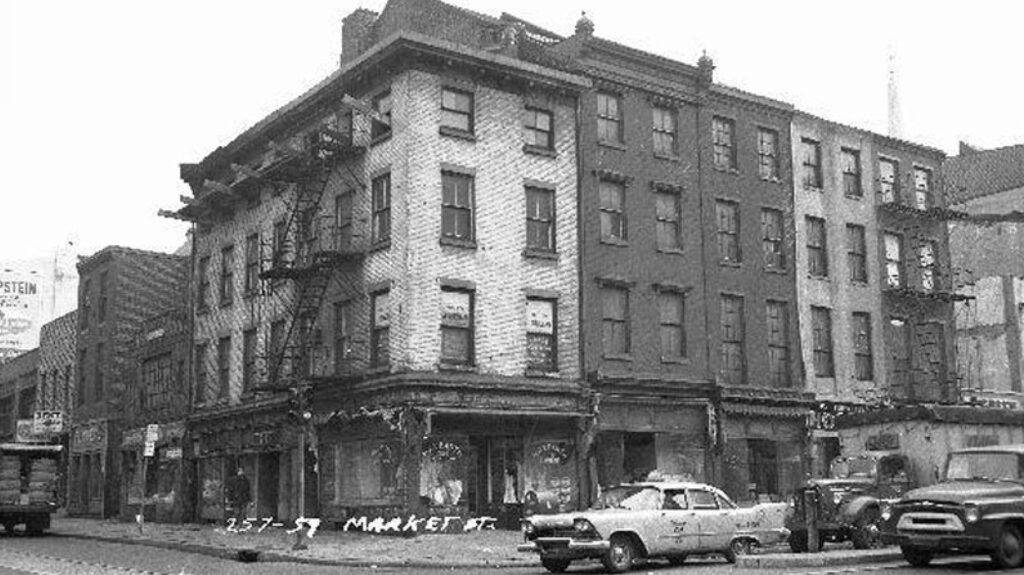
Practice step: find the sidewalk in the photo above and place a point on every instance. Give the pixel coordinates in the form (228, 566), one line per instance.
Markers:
(831, 555)
(327, 547)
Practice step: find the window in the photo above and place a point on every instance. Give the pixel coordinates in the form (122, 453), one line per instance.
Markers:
(898, 343)
(86, 299)
(863, 363)
(664, 126)
(98, 383)
(203, 293)
(666, 210)
(541, 338)
(856, 253)
(727, 217)
(80, 392)
(381, 198)
(343, 330)
(456, 326)
(101, 312)
(223, 366)
(733, 362)
(672, 320)
(889, 182)
(343, 222)
(227, 275)
(850, 160)
(817, 247)
(810, 152)
(540, 219)
(922, 188)
(893, 260)
(457, 206)
(248, 359)
(613, 210)
(380, 323)
(609, 118)
(615, 320)
(280, 246)
(276, 350)
(821, 327)
(771, 239)
(381, 128)
(457, 110)
(538, 129)
(252, 263)
(201, 378)
(926, 261)
(768, 154)
(778, 343)
(722, 141)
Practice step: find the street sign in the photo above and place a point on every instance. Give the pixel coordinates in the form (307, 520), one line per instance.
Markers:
(149, 449)
(152, 434)
(48, 422)
(172, 453)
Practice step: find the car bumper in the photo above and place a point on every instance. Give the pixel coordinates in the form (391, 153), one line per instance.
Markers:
(960, 542)
(565, 547)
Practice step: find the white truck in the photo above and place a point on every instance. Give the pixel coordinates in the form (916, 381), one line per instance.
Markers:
(28, 485)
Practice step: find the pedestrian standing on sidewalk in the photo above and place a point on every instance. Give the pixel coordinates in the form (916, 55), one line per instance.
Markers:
(238, 496)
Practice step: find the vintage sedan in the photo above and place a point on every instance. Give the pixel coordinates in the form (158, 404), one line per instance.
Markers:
(652, 519)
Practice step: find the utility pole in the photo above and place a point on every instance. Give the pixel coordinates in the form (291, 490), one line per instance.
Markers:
(304, 419)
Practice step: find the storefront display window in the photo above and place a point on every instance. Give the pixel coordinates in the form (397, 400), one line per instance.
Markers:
(367, 471)
(211, 482)
(443, 468)
(549, 476)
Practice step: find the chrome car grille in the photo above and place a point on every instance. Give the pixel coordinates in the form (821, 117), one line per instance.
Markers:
(930, 522)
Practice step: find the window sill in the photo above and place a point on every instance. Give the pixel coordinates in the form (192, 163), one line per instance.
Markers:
(621, 146)
(675, 360)
(777, 181)
(729, 264)
(541, 373)
(456, 133)
(853, 197)
(776, 271)
(539, 151)
(824, 278)
(540, 254)
(618, 356)
(811, 188)
(615, 242)
(458, 243)
(380, 138)
(668, 157)
(732, 171)
(671, 251)
(456, 367)
(380, 246)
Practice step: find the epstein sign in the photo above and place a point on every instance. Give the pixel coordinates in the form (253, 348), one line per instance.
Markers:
(21, 307)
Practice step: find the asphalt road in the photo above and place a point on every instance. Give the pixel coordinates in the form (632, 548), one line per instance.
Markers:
(55, 555)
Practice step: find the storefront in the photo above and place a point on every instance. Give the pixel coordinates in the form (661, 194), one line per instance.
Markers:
(766, 452)
(442, 463)
(158, 487)
(636, 438)
(92, 463)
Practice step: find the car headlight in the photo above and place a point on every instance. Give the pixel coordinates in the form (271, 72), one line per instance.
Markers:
(528, 530)
(971, 512)
(582, 526)
(886, 512)
(837, 498)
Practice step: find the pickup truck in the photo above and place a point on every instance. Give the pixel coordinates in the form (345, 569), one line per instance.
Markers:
(28, 479)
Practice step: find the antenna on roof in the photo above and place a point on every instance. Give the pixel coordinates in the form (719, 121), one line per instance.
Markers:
(895, 122)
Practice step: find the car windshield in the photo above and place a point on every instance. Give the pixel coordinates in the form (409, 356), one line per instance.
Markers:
(845, 467)
(984, 465)
(636, 498)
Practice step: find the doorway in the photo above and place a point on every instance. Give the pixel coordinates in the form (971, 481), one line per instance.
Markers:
(267, 482)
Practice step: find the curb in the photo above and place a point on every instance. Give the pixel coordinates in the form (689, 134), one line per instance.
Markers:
(823, 559)
(231, 554)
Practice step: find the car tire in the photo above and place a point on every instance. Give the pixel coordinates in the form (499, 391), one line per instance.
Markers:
(620, 555)
(865, 533)
(677, 560)
(554, 565)
(916, 557)
(1009, 552)
(737, 548)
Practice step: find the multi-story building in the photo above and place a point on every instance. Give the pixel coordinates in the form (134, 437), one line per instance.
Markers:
(57, 345)
(118, 288)
(158, 394)
(985, 247)
(407, 250)
(19, 379)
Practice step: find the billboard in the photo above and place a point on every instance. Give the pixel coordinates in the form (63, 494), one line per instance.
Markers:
(33, 292)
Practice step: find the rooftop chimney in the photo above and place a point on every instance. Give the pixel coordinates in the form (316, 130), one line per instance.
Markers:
(355, 33)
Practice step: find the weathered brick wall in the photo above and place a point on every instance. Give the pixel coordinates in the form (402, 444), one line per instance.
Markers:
(57, 344)
(836, 291)
(18, 376)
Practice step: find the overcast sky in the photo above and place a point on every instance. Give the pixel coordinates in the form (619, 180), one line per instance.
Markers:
(101, 100)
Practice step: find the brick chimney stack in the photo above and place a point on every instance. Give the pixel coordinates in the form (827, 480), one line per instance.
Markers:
(355, 33)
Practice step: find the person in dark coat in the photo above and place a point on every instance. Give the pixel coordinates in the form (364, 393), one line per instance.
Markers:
(237, 495)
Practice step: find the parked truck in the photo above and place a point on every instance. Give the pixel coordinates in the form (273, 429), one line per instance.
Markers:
(28, 485)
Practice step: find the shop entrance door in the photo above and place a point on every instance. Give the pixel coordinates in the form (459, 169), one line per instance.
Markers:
(638, 456)
(497, 483)
(267, 485)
